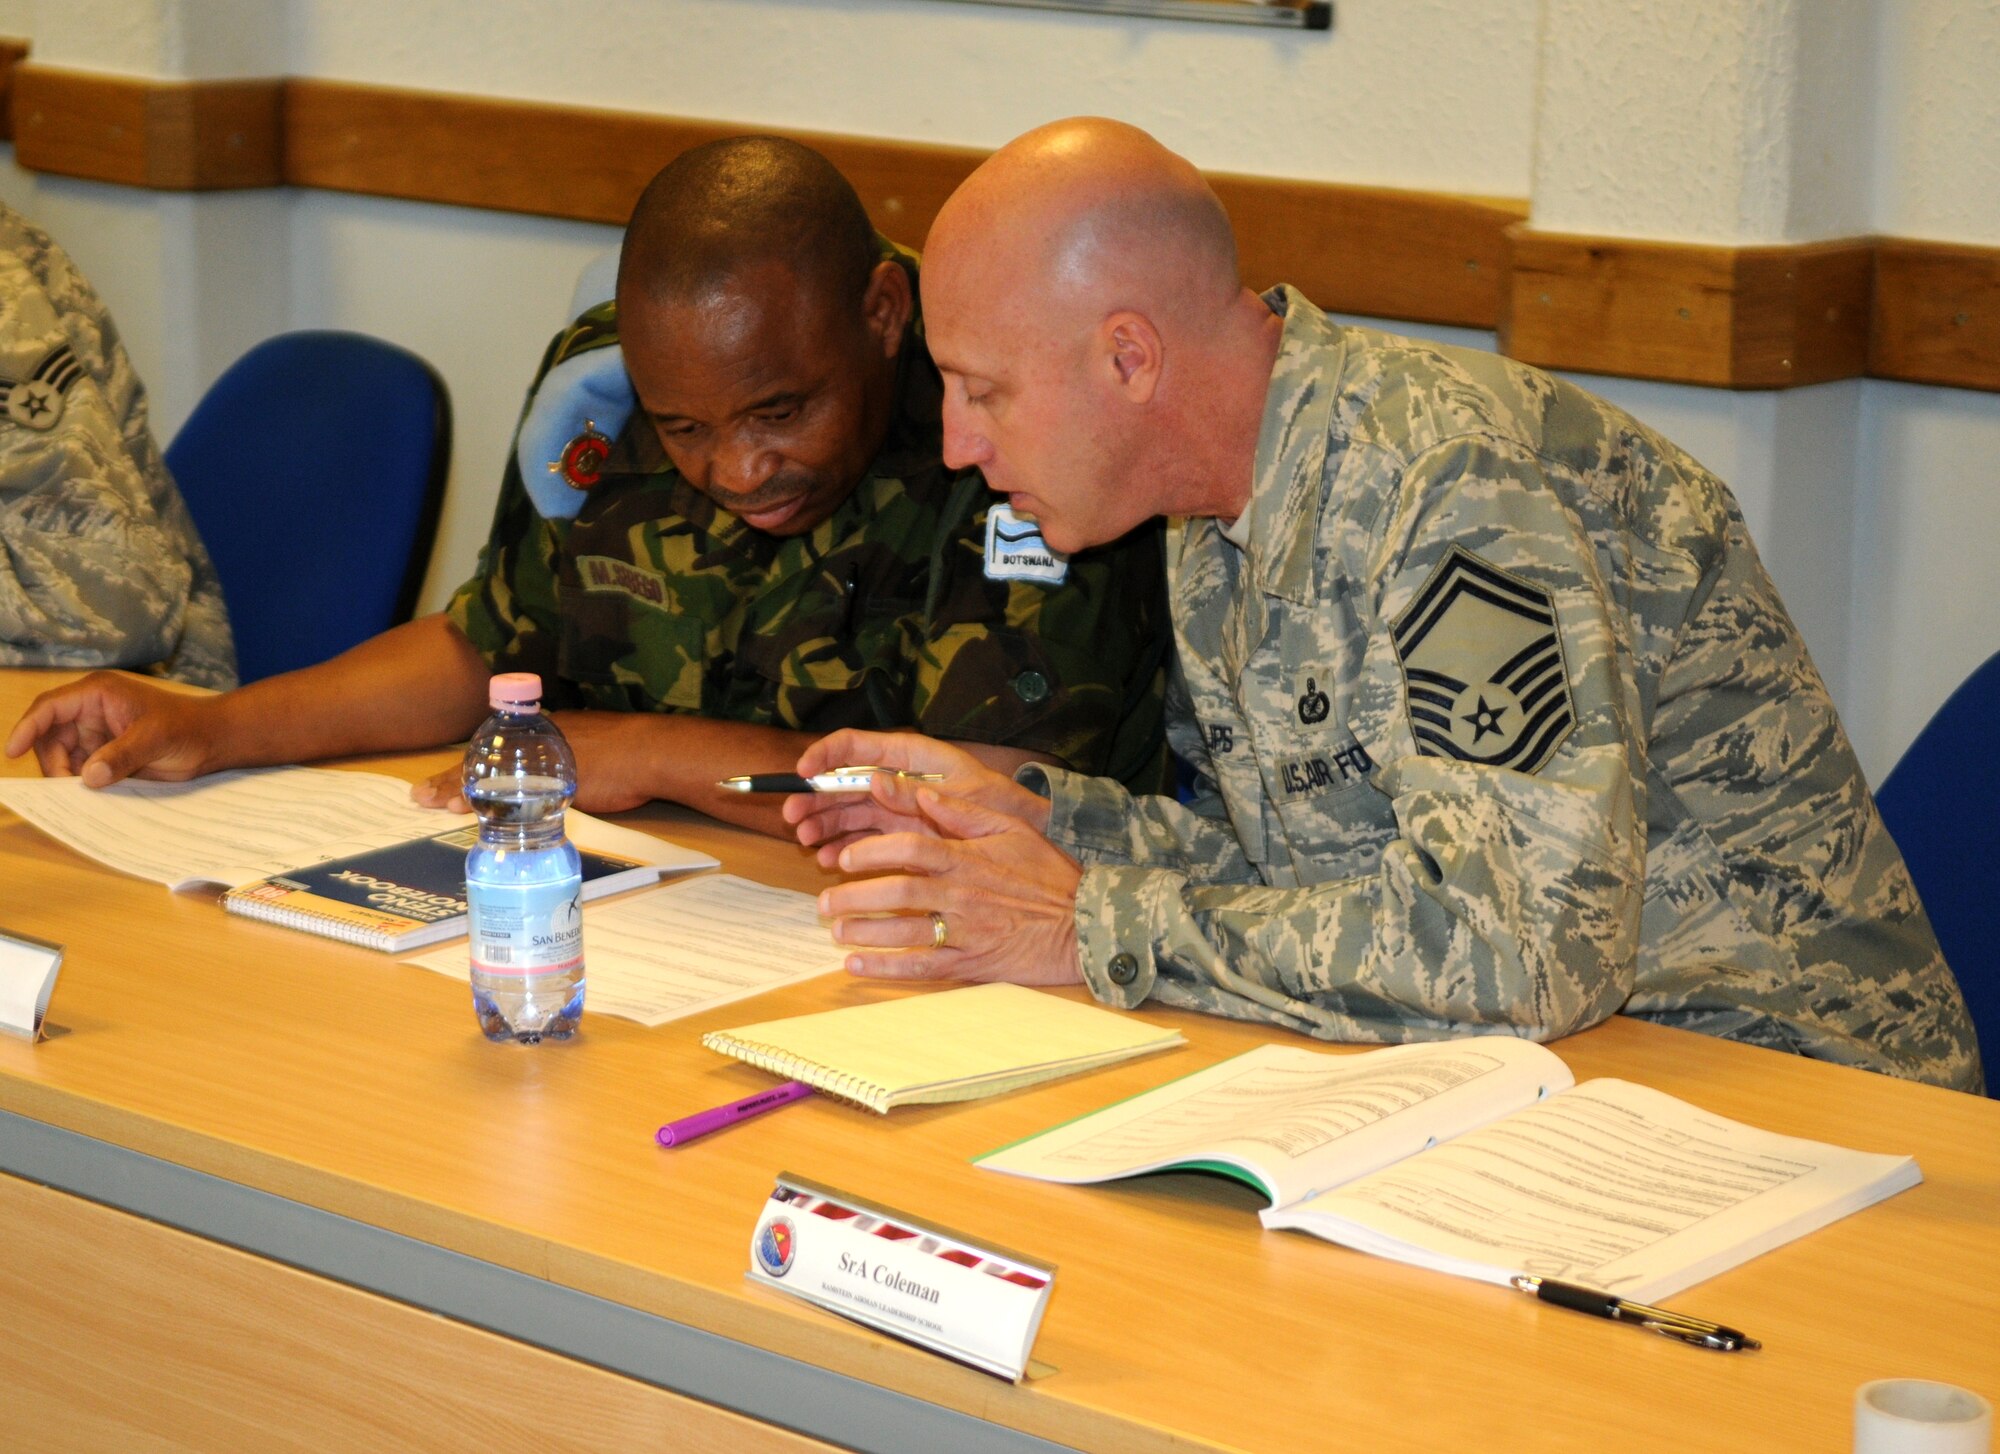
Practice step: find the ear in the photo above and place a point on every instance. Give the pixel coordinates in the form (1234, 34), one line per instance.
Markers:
(886, 306)
(1134, 353)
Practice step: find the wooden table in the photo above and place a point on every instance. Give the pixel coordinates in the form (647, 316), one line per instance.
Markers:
(269, 1192)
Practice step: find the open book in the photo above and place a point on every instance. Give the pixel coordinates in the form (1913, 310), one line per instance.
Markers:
(944, 1045)
(1479, 1157)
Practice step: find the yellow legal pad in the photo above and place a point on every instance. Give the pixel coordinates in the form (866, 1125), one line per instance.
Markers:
(949, 1045)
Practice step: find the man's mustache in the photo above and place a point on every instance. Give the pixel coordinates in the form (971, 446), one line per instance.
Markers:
(771, 492)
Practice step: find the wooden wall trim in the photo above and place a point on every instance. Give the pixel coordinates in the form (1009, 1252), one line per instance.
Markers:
(1937, 314)
(13, 50)
(1369, 250)
(1730, 317)
(173, 135)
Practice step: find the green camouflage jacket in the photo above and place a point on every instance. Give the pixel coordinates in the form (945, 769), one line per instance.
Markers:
(100, 564)
(652, 599)
(1500, 726)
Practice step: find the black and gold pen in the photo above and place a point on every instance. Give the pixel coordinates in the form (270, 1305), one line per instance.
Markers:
(1693, 1331)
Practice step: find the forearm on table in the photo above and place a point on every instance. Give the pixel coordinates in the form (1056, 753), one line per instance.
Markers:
(416, 685)
(680, 758)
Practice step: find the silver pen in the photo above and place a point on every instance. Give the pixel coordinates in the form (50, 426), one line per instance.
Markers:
(833, 780)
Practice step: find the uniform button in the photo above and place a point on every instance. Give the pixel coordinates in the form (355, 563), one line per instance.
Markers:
(1031, 686)
(1124, 969)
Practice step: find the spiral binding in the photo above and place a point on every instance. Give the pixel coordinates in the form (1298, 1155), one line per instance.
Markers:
(324, 925)
(839, 1085)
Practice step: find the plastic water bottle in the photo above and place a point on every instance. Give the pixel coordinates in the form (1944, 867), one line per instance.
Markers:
(523, 881)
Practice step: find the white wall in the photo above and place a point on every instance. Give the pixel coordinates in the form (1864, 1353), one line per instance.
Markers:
(1716, 120)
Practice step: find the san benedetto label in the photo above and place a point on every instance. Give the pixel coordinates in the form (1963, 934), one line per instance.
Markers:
(979, 1305)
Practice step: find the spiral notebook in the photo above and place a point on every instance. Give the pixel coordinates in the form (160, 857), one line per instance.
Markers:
(411, 894)
(947, 1045)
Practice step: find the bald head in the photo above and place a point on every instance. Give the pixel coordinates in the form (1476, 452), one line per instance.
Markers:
(1088, 214)
(720, 209)
(1103, 361)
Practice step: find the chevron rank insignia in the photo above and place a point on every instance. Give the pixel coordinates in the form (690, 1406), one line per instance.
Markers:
(1483, 667)
(36, 402)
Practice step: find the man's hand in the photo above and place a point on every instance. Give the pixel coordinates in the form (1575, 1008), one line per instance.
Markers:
(1006, 894)
(614, 754)
(833, 821)
(110, 725)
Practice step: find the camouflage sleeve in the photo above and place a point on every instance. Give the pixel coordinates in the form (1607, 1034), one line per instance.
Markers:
(1075, 671)
(100, 564)
(508, 608)
(1508, 901)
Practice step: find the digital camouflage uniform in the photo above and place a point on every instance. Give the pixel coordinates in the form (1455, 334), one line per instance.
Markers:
(1499, 726)
(100, 564)
(652, 599)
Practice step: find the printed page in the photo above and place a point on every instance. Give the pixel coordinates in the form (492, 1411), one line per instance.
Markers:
(664, 953)
(1611, 1185)
(1297, 1120)
(228, 828)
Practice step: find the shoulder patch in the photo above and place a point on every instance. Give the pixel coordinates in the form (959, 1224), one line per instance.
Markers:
(1483, 667)
(1015, 550)
(36, 402)
(579, 408)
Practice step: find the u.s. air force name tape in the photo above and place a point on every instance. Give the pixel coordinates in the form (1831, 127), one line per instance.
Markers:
(978, 1305)
(27, 978)
(1015, 550)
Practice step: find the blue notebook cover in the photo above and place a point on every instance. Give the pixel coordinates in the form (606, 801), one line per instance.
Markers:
(400, 897)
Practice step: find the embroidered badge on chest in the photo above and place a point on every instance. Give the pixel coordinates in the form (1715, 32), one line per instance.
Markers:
(1015, 550)
(1483, 667)
(36, 402)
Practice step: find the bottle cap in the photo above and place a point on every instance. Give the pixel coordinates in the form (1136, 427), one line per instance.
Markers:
(514, 690)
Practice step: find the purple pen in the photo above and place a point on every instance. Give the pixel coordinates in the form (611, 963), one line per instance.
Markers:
(687, 1128)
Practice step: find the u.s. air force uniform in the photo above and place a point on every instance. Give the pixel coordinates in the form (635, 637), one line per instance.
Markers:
(919, 602)
(1499, 726)
(100, 564)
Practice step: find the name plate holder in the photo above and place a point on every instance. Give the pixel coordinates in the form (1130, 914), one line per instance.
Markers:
(972, 1302)
(27, 978)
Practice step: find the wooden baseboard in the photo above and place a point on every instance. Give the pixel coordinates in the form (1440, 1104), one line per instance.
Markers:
(172, 135)
(1728, 317)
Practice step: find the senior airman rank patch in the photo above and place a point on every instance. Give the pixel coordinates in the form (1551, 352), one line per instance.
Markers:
(37, 401)
(1483, 667)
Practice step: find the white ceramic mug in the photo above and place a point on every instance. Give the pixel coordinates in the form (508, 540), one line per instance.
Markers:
(1917, 1416)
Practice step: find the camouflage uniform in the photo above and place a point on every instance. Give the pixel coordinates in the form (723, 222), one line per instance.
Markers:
(1499, 726)
(100, 564)
(651, 599)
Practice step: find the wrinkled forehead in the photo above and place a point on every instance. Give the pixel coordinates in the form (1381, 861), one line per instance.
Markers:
(982, 321)
(758, 329)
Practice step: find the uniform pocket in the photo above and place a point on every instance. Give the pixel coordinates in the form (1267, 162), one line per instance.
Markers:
(619, 636)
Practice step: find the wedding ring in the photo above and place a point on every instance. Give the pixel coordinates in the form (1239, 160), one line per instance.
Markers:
(939, 935)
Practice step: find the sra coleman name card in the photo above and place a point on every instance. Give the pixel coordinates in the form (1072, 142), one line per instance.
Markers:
(937, 1289)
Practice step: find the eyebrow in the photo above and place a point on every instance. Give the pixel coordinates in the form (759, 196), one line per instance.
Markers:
(788, 398)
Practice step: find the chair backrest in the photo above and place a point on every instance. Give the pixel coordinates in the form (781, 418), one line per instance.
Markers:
(1942, 805)
(315, 471)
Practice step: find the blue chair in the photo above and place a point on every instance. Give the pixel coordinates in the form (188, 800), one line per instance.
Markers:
(315, 471)
(1942, 805)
